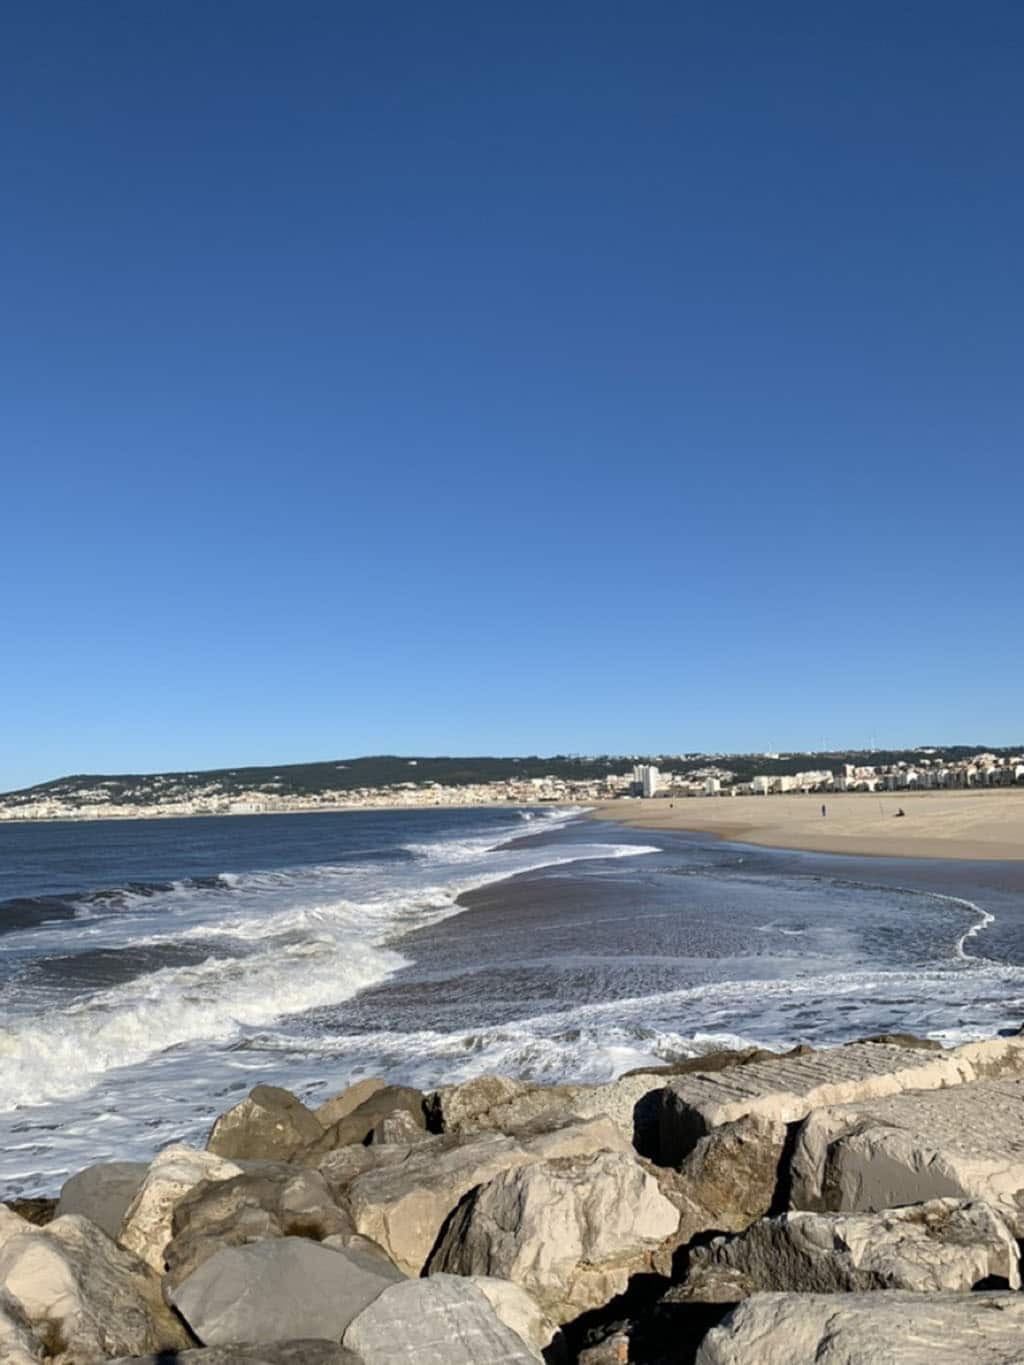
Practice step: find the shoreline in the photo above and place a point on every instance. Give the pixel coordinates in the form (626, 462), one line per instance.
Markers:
(312, 810)
(965, 826)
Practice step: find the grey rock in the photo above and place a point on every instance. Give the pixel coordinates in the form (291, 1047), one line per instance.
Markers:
(713, 1061)
(271, 1353)
(787, 1089)
(102, 1193)
(730, 1178)
(280, 1291)
(896, 1328)
(340, 1167)
(19, 1344)
(965, 1142)
(571, 1232)
(364, 1245)
(403, 1205)
(269, 1124)
(358, 1125)
(493, 1104)
(84, 1296)
(251, 1208)
(941, 1246)
(443, 1320)
(904, 1040)
(398, 1127)
(341, 1105)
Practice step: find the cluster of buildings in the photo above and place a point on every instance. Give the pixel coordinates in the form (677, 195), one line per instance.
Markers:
(924, 774)
(156, 797)
(203, 794)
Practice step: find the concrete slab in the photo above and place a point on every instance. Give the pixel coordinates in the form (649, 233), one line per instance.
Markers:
(965, 1142)
(786, 1089)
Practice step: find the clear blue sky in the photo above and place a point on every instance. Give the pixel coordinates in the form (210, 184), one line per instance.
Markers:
(531, 378)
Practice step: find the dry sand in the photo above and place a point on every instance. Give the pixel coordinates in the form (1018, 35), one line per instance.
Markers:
(959, 824)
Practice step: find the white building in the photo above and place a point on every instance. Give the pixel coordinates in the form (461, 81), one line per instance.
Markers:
(645, 779)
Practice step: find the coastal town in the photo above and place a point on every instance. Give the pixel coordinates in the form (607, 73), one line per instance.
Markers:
(203, 794)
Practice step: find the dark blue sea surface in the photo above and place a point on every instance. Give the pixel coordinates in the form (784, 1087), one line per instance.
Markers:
(151, 971)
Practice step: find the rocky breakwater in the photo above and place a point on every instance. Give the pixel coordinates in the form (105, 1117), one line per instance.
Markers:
(857, 1204)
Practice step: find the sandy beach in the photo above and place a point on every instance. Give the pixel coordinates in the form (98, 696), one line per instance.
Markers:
(960, 824)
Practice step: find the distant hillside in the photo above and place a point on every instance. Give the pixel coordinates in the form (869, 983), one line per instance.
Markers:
(392, 770)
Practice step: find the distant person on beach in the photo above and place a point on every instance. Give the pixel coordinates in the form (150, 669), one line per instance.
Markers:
(900, 812)
(823, 810)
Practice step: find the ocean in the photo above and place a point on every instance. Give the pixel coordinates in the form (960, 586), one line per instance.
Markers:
(152, 972)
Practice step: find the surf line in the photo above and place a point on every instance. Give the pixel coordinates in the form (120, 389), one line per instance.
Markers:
(986, 918)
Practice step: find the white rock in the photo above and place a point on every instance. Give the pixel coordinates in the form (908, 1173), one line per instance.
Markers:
(443, 1320)
(940, 1246)
(403, 1206)
(895, 1328)
(13, 1225)
(84, 1295)
(517, 1309)
(966, 1142)
(787, 1089)
(146, 1229)
(570, 1232)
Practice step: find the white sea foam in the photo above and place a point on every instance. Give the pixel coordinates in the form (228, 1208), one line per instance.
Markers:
(119, 1070)
(292, 949)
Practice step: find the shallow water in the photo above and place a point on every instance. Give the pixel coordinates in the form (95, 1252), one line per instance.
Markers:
(153, 970)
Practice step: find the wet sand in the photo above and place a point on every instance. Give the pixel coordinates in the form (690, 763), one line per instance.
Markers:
(973, 825)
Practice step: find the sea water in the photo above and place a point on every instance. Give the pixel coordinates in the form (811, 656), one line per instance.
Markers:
(151, 972)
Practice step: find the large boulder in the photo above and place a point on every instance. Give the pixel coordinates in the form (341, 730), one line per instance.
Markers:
(358, 1125)
(102, 1193)
(84, 1296)
(19, 1344)
(146, 1229)
(786, 1089)
(517, 1309)
(495, 1104)
(571, 1232)
(270, 1124)
(403, 1205)
(341, 1105)
(340, 1167)
(730, 1178)
(443, 1320)
(897, 1328)
(397, 1128)
(965, 1142)
(280, 1291)
(940, 1246)
(250, 1208)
